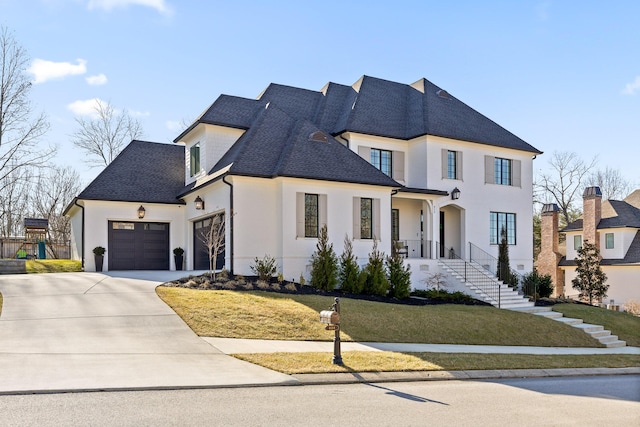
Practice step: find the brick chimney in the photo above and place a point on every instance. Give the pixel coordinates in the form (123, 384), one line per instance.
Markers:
(549, 257)
(591, 215)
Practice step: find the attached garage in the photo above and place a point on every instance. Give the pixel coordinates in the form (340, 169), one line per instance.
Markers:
(138, 246)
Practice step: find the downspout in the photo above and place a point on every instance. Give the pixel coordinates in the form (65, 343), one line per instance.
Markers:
(75, 202)
(224, 179)
(393, 193)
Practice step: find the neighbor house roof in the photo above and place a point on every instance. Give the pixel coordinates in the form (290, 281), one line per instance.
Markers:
(147, 172)
(374, 107)
(615, 214)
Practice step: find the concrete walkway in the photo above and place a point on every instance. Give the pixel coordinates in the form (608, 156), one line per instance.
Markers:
(92, 331)
(95, 331)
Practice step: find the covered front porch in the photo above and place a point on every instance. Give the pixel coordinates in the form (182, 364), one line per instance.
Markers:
(427, 224)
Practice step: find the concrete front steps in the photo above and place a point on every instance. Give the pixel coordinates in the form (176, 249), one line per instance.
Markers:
(595, 331)
(481, 285)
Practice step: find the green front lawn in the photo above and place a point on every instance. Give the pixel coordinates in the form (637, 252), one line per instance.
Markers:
(626, 326)
(268, 315)
(52, 266)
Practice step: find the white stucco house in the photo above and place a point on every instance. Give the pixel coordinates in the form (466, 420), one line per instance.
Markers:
(407, 164)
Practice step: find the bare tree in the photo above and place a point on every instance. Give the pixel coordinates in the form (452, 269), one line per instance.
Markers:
(15, 188)
(212, 235)
(19, 131)
(564, 184)
(105, 134)
(611, 182)
(53, 192)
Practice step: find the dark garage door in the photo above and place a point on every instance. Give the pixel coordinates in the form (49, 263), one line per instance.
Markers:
(200, 250)
(138, 246)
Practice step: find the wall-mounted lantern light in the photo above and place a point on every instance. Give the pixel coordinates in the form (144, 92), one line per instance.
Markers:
(141, 212)
(455, 194)
(199, 203)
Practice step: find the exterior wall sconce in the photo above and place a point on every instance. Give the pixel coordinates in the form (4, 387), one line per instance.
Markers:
(141, 212)
(455, 194)
(199, 203)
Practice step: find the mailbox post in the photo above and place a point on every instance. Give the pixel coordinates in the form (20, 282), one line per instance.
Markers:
(331, 318)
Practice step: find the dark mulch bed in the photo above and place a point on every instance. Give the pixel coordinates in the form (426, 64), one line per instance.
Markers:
(547, 302)
(251, 283)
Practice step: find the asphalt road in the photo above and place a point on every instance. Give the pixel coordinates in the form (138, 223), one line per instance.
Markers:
(580, 401)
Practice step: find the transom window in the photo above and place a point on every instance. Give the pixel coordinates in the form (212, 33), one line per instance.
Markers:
(366, 218)
(498, 221)
(194, 160)
(502, 171)
(608, 241)
(381, 159)
(452, 165)
(311, 215)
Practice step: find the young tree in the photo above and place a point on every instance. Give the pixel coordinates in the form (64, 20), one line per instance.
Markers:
(19, 131)
(349, 269)
(590, 279)
(105, 134)
(324, 263)
(399, 275)
(376, 282)
(212, 236)
(504, 269)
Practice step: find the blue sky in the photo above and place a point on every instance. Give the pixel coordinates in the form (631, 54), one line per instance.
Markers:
(562, 75)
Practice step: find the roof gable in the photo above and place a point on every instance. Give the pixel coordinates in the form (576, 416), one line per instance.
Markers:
(143, 172)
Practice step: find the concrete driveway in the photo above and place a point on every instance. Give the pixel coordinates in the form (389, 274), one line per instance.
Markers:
(95, 331)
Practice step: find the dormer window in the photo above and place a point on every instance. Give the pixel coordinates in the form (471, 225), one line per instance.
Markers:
(194, 160)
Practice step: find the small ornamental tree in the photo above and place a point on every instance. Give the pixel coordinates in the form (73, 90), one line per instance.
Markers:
(213, 238)
(503, 258)
(376, 282)
(590, 279)
(399, 275)
(348, 276)
(324, 263)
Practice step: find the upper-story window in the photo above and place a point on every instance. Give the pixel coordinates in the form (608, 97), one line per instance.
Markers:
(194, 160)
(608, 241)
(381, 159)
(502, 174)
(577, 242)
(452, 165)
(502, 171)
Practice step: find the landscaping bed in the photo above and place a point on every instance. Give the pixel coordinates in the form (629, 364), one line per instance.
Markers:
(251, 283)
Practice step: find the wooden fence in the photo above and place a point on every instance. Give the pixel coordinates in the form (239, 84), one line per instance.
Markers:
(9, 247)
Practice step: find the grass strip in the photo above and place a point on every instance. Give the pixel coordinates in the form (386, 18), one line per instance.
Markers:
(52, 266)
(373, 361)
(269, 315)
(625, 325)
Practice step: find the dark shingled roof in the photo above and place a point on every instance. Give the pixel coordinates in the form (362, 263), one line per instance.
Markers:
(379, 107)
(145, 172)
(279, 145)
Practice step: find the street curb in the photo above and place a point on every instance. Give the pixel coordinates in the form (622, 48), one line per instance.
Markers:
(363, 377)
(376, 377)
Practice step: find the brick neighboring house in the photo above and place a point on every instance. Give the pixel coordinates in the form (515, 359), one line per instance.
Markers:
(614, 226)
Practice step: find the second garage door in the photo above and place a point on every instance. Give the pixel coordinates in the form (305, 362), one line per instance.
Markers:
(138, 245)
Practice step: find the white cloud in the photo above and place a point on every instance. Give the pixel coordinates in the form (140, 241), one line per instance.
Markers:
(86, 107)
(44, 70)
(631, 88)
(159, 5)
(97, 80)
